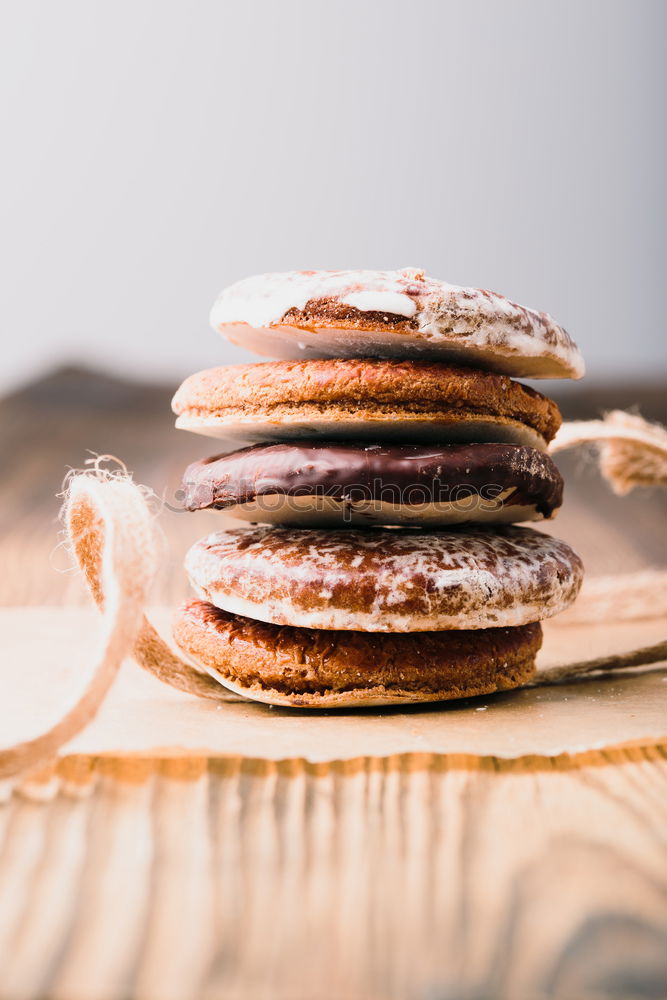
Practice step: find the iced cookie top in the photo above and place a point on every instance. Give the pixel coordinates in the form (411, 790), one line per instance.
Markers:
(392, 314)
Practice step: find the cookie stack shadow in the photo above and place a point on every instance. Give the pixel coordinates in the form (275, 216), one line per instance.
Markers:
(378, 471)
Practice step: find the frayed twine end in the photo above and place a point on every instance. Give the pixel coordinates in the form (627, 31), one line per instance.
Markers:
(108, 469)
(632, 451)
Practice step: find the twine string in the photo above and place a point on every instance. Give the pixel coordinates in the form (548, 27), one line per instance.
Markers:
(632, 451)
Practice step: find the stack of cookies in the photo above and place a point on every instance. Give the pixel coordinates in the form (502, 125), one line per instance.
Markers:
(380, 467)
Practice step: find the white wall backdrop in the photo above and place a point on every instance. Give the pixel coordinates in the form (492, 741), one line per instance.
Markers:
(155, 150)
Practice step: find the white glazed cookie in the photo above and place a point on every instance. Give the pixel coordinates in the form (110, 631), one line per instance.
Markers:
(386, 580)
(392, 314)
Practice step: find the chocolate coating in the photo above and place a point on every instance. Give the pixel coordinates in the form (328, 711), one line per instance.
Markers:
(405, 474)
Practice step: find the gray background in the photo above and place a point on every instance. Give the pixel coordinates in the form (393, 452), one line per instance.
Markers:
(153, 152)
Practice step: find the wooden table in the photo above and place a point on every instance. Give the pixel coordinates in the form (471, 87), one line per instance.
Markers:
(416, 876)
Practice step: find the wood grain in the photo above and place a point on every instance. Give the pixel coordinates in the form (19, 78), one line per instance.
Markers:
(417, 876)
(413, 876)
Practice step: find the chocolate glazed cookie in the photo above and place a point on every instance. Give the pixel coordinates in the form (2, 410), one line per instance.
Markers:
(335, 483)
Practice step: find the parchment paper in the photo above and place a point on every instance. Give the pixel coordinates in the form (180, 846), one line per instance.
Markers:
(44, 649)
